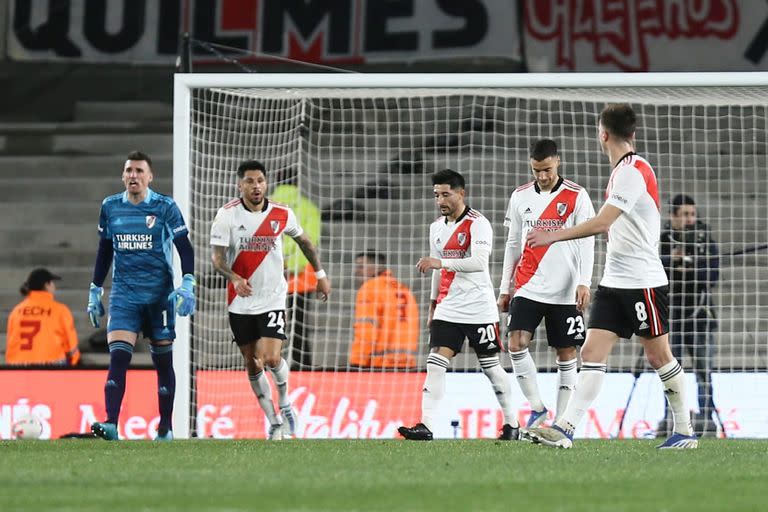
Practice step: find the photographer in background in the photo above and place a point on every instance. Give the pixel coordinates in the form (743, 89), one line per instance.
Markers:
(690, 257)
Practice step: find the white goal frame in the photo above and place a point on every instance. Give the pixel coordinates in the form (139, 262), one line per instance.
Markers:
(184, 84)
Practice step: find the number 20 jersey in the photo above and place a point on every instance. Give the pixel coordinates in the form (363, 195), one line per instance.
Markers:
(463, 297)
(255, 252)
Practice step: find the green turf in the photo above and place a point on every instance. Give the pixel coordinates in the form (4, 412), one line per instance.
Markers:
(381, 475)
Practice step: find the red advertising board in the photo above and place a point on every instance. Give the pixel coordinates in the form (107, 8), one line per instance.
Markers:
(69, 401)
(328, 404)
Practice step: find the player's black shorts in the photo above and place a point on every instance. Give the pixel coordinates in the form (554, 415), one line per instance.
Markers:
(565, 324)
(249, 328)
(483, 338)
(644, 311)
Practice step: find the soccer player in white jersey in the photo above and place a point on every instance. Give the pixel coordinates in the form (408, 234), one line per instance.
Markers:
(462, 304)
(246, 240)
(550, 282)
(632, 296)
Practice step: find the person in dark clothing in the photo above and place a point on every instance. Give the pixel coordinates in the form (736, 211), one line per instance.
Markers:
(690, 257)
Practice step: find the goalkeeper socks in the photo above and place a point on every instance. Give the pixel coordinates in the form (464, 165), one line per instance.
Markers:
(261, 389)
(673, 379)
(588, 387)
(280, 376)
(434, 388)
(162, 358)
(566, 383)
(525, 371)
(120, 354)
(498, 377)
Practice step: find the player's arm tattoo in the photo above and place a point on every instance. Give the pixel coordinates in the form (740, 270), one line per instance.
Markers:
(309, 250)
(219, 259)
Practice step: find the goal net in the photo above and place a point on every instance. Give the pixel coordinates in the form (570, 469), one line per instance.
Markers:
(363, 148)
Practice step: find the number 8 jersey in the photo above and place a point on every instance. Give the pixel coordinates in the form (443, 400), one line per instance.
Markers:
(255, 252)
(463, 288)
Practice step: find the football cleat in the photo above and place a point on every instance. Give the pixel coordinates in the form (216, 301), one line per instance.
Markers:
(275, 432)
(536, 418)
(553, 436)
(509, 433)
(104, 430)
(418, 432)
(167, 436)
(290, 422)
(679, 442)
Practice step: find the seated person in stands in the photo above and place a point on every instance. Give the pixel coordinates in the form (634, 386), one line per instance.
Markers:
(386, 317)
(41, 330)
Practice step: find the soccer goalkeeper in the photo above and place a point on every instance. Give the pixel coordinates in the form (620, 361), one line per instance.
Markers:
(136, 229)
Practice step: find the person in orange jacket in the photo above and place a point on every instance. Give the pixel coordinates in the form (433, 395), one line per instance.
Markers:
(41, 330)
(386, 317)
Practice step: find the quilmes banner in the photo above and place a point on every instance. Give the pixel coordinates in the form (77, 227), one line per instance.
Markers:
(319, 31)
(354, 405)
(646, 35)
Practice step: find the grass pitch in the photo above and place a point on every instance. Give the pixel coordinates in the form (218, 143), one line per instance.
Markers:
(722, 475)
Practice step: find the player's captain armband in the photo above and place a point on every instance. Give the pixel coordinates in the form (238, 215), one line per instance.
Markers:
(320, 274)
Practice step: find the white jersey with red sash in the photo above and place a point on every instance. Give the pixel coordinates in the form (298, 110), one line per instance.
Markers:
(463, 297)
(547, 274)
(632, 259)
(255, 252)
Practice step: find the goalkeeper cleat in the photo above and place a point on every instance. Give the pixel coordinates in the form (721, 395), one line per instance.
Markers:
(679, 442)
(275, 432)
(167, 436)
(536, 418)
(418, 432)
(553, 436)
(290, 422)
(509, 433)
(104, 430)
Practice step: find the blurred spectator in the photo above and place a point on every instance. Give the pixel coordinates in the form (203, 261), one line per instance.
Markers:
(690, 256)
(386, 317)
(41, 331)
(298, 272)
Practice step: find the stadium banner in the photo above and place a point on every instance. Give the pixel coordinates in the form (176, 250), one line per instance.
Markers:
(645, 35)
(318, 31)
(358, 405)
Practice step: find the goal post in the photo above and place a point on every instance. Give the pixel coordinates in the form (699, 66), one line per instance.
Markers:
(363, 147)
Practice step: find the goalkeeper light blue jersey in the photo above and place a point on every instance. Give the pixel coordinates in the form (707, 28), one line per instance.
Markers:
(142, 238)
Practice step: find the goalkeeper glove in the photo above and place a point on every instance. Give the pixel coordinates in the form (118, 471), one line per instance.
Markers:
(95, 307)
(183, 297)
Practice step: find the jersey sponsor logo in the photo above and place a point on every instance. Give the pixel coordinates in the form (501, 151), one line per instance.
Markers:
(545, 224)
(133, 241)
(620, 198)
(150, 220)
(180, 228)
(257, 243)
(528, 210)
(241, 228)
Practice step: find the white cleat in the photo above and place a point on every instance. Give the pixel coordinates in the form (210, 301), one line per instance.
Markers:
(275, 432)
(290, 422)
(550, 436)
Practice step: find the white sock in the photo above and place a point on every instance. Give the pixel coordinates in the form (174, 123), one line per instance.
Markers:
(434, 388)
(500, 382)
(673, 379)
(566, 383)
(261, 389)
(280, 376)
(525, 371)
(588, 387)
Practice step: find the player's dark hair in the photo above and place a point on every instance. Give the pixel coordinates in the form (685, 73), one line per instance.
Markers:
(377, 257)
(448, 177)
(681, 200)
(619, 119)
(138, 155)
(542, 149)
(251, 165)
